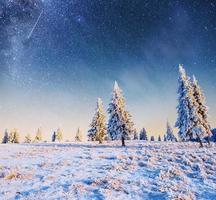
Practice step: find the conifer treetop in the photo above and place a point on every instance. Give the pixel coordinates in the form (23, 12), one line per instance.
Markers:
(195, 82)
(116, 86)
(99, 101)
(182, 71)
(99, 104)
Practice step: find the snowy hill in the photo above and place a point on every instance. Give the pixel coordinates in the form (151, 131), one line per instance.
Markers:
(142, 170)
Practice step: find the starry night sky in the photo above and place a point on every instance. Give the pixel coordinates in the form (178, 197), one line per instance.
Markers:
(80, 47)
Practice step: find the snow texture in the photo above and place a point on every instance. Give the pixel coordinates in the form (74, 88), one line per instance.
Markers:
(142, 170)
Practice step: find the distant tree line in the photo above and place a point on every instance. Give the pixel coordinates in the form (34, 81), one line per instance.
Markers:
(57, 136)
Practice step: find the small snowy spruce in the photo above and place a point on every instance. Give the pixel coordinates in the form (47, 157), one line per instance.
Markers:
(169, 136)
(27, 138)
(14, 136)
(213, 137)
(98, 130)
(79, 136)
(143, 135)
(38, 137)
(120, 125)
(152, 138)
(59, 135)
(136, 136)
(54, 136)
(5, 138)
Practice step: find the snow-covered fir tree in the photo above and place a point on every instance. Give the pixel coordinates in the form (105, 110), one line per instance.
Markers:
(152, 138)
(98, 130)
(27, 138)
(79, 136)
(14, 136)
(192, 111)
(186, 108)
(5, 138)
(59, 135)
(159, 138)
(38, 137)
(213, 137)
(202, 127)
(54, 136)
(136, 136)
(143, 135)
(169, 136)
(120, 125)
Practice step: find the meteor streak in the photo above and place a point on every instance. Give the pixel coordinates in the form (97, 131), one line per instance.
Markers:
(32, 30)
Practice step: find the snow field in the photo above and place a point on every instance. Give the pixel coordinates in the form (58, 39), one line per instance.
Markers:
(142, 170)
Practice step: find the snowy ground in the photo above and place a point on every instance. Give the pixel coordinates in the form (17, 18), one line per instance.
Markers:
(90, 171)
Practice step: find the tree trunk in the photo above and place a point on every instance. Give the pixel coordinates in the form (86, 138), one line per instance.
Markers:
(200, 141)
(123, 141)
(208, 140)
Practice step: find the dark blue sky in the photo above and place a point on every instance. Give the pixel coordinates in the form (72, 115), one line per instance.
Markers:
(79, 48)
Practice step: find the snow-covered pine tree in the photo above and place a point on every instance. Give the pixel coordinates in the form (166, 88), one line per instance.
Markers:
(120, 125)
(11, 136)
(186, 108)
(98, 130)
(213, 137)
(27, 138)
(202, 127)
(59, 135)
(79, 136)
(143, 135)
(5, 138)
(38, 137)
(159, 138)
(169, 136)
(152, 138)
(14, 136)
(54, 136)
(136, 137)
